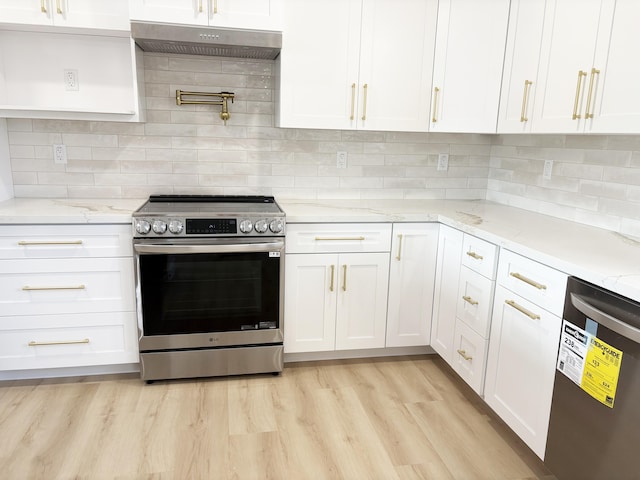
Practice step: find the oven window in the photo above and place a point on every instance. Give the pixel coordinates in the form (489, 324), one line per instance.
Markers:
(199, 293)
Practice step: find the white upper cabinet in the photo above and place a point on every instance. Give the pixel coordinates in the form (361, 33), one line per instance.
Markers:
(520, 74)
(357, 64)
(586, 78)
(97, 14)
(252, 14)
(468, 65)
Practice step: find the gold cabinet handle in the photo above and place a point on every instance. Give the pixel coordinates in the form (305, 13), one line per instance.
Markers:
(353, 100)
(469, 300)
(71, 287)
(333, 271)
(521, 309)
(576, 115)
(399, 247)
(43, 7)
(588, 112)
(525, 99)
(434, 117)
(475, 255)
(364, 101)
(524, 279)
(59, 7)
(200, 6)
(464, 355)
(33, 343)
(344, 278)
(215, 6)
(330, 239)
(25, 243)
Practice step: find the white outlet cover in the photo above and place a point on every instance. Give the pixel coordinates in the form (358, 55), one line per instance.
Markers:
(548, 167)
(341, 160)
(71, 80)
(60, 154)
(443, 161)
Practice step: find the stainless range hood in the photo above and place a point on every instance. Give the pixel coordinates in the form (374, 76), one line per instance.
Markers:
(201, 40)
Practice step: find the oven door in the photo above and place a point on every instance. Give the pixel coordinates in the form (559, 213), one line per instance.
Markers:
(197, 293)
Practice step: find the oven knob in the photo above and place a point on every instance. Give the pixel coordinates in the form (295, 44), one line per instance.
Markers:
(246, 226)
(159, 226)
(175, 226)
(143, 227)
(276, 226)
(261, 226)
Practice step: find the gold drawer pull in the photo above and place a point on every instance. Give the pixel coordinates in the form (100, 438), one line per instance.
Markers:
(475, 255)
(364, 101)
(353, 100)
(333, 271)
(73, 287)
(59, 7)
(434, 117)
(524, 279)
(576, 115)
(43, 7)
(588, 113)
(464, 355)
(344, 278)
(58, 342)
(399, 247)
(215, 6)
(525, 97)
(470, 300)
(25, 243)
(329, 239)
(521, 309)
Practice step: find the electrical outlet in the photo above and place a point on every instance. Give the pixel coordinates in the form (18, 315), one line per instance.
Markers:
(548, 166)
(71, 80)
(341, 160)
(443, 161)
(60, 154)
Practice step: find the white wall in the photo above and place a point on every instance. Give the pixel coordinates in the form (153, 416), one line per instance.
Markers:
(6, 183)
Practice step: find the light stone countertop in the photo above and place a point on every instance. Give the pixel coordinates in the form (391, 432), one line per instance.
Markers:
(596, 255)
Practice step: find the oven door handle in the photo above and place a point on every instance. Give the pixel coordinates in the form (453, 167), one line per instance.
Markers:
(603, 318)
(226, 248)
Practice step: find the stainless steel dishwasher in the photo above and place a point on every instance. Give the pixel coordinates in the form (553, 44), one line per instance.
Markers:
(594, 428)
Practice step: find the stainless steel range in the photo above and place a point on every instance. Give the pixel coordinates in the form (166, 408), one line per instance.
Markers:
(209, 285)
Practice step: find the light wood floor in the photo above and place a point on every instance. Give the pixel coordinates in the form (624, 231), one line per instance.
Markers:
(392, 418)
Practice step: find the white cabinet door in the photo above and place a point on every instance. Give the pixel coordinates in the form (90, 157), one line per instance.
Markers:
(446, 291)
(616, 97)
(520, 366)
(256, 14)
(310, 302)
(396, 64)
(411, 284)
(319, 64)
(33, 12)
(370, 67)
(468, 65)
(566, 62)
(520, 72)
(102, 14)
(193, 12)
(363, 280)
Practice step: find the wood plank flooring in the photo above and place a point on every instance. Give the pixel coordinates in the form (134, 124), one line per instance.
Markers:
(389, 418)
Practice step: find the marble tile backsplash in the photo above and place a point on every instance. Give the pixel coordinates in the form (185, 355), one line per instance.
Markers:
(187, 149)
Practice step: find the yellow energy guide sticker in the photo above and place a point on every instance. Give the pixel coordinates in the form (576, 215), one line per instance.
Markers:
(589, 362)
(601, 371)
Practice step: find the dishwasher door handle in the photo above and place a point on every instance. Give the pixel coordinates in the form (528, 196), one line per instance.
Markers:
(605, 319)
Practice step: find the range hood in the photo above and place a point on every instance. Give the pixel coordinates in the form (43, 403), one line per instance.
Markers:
(202, 40)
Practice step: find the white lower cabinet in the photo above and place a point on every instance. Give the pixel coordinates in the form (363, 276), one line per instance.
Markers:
(411, 284)
(67, 296)
(336, 290)
(463, 303)
(523, 346)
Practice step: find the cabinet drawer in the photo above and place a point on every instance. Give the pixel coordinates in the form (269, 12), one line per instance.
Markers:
(338, 237)
(39, 287)
(480, 256)
(65, 241)
(538, 283)
(470, 356)
(475, 297)
(71, 346)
